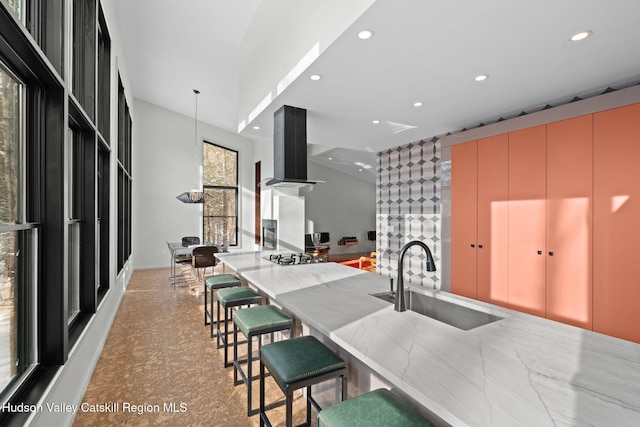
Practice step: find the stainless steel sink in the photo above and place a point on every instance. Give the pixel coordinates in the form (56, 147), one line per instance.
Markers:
(461, 317)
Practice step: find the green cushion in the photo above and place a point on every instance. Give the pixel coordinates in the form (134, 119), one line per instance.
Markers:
(221, 281)
(298, 359)
(238, 296)
(376, 408)
(254, 319)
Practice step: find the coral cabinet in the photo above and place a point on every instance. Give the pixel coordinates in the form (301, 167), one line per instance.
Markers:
(616, 292)
(570, 221)
(521, 231)
(479, 227)
(527, 220)
(464, 219)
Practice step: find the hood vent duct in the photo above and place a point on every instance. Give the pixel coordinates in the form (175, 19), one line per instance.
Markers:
(290, 147)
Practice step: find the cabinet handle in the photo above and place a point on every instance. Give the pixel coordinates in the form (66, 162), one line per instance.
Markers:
(539, 252)
(480, 246)
(550, 253)
(473, 246)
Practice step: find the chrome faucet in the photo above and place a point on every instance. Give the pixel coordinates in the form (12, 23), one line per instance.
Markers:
(431, 266)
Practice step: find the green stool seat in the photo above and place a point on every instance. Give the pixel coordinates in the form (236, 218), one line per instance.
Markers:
(376, 408)
(255, 322)
(221, 281)
(229, 298)
(238, 296)
(297, 363)
(264, 317)
(213, 283)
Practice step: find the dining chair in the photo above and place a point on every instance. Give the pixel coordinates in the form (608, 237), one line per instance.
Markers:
(202, 258)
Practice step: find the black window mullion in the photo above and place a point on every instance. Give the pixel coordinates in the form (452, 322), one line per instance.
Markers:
(215, 182)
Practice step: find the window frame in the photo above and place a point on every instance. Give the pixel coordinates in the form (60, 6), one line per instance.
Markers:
(36, 50)
(26, 244)
(125, 181)
(223, 187)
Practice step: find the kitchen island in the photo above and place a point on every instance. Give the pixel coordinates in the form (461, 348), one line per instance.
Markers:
(518, 371)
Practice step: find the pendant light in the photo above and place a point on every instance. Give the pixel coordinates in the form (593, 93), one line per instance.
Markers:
(196, 195)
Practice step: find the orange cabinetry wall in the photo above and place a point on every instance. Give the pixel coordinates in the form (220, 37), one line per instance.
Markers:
(522, 220)
(565, 222)
(616, 280)
(464, 223)
(569, 221)
(527, 220)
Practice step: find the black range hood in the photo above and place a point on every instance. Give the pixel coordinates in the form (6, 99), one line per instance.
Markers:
(290, 147)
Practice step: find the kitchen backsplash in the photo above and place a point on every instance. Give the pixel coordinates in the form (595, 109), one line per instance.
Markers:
(409, 208)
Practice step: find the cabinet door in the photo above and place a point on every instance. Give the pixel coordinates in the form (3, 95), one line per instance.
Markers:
(493, 219)
(464, 204)
(527, 220)
(569, 221)
(616, 281)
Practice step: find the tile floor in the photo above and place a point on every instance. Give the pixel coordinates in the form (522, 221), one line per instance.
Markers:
(159, 353)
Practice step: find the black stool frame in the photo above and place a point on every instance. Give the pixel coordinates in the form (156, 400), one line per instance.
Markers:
(208, 311)
(248, 378)
(223, 337)
(292, 387)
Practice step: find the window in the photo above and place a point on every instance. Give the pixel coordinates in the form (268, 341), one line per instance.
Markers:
(54, 182)
(124, 178)
(103, 219)
(75, 162)
(220, 181)
(18, 242)
(18, 8)
(84, 53)
(104, 77)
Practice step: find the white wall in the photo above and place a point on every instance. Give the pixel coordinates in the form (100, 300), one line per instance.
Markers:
(164, 166)
(342, 205)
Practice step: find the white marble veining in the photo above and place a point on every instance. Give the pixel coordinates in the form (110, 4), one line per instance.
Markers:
(519, 371)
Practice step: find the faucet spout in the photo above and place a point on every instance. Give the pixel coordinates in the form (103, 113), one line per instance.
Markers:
(400, 304)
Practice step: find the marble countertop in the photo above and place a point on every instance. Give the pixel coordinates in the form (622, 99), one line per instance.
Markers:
(519, 371)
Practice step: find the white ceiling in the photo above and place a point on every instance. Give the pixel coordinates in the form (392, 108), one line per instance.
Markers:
(173, 47)
(423, 50)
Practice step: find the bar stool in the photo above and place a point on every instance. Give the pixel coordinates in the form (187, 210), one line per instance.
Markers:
(213, 283)
(230, 298)
(379, 408)
(255, 322)
(298, 363)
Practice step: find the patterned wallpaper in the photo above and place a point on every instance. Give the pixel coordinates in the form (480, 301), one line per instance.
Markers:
(409, 208)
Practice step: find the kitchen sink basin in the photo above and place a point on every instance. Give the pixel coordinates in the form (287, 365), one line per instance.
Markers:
(461, 317)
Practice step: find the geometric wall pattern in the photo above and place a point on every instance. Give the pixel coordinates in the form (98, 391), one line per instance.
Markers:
(409, 208)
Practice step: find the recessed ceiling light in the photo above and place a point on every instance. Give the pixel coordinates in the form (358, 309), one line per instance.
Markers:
(257, 127)
(330, 158)
(418, 104)
(375, 122)
(365, 34)
(580, 36)
(315, 77)
(481, 77)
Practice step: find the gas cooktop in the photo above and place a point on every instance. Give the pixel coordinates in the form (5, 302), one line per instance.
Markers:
(292, 258)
